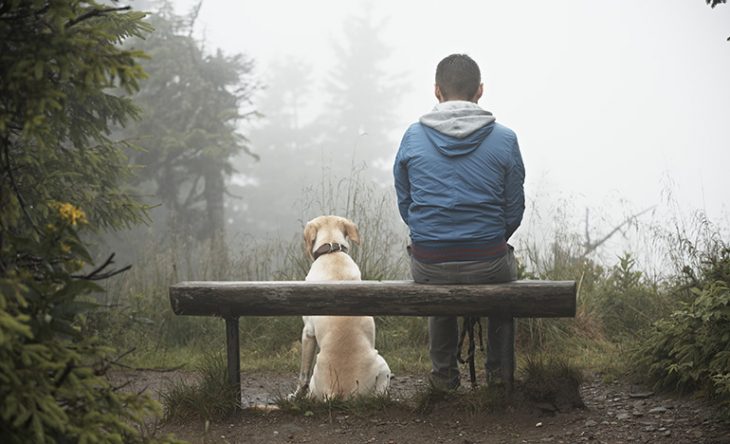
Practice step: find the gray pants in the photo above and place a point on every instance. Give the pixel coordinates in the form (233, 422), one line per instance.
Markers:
(444, 330)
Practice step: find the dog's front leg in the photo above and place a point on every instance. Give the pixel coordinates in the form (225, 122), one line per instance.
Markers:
(309, 350)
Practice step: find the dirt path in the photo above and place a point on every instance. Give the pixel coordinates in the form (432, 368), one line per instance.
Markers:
(613, 413)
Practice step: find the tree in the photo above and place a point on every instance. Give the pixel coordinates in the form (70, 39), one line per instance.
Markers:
(191, 106)
(285, 138)
(363, 97)
(64, 80)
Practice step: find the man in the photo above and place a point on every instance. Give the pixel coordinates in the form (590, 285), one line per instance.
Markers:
(459, 179)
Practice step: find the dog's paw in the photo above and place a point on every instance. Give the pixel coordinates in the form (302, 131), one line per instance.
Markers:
(299, 393)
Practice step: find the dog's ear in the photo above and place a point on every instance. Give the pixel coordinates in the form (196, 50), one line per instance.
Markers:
(351, 231)
(310, 235)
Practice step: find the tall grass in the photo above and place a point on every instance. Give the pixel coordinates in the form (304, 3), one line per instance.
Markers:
(384, 237)
(208, 398)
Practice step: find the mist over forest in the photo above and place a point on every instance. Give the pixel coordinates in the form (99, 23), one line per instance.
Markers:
(254, 148)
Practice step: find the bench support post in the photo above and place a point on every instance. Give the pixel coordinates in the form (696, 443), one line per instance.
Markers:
(233, 355)
(508, 352)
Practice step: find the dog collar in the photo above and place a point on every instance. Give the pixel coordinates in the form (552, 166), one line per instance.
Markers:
(328, 248)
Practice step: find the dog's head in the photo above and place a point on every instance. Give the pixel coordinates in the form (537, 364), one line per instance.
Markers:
(324, 229)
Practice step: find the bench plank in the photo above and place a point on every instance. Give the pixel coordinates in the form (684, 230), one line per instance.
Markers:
(530, 298)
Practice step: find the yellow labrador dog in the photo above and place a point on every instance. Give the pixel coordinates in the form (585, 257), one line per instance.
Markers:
(347, 363)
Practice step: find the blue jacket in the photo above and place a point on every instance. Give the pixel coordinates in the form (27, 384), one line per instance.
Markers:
(459, 187)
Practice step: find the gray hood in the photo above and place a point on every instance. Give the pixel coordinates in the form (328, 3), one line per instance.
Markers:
(457, 118)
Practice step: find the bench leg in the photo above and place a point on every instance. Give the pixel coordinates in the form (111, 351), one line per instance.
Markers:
(233, 354)
(508, 352)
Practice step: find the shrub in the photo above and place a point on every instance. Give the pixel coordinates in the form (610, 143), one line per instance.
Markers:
(690, 350)
(625, 302)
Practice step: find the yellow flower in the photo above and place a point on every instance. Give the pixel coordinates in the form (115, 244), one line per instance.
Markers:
(72, 214)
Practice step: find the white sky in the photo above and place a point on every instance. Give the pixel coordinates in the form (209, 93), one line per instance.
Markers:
(612, 100)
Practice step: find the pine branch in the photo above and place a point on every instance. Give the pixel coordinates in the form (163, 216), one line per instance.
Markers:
(109, 362)
(95, 274)
(95, 13)
(70, 365)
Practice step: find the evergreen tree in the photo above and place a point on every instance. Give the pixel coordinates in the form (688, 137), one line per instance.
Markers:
(191, 106)
(285, 139)
(363, 95)
(60, 175)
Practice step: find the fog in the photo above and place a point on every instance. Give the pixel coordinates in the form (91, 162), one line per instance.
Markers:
(618, 106)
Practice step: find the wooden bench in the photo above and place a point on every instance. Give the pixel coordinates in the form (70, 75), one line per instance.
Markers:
(502, 302)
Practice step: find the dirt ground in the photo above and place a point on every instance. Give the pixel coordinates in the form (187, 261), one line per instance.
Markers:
(612, 413)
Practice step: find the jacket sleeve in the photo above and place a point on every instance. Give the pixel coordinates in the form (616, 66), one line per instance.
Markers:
(514, 191)
(402, 184)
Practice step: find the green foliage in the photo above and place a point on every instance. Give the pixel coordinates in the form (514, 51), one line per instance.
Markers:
(57, 65)
(625, 303)
(690, 350)
(60, 175)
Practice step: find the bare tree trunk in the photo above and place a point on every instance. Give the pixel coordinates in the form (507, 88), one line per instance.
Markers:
(589, 247)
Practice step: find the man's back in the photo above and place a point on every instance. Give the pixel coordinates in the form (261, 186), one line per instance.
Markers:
(458, 177)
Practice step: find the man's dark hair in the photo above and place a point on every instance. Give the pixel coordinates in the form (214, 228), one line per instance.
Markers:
(458, 77)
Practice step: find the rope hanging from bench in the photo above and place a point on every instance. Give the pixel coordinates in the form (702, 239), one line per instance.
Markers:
(467, 329)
